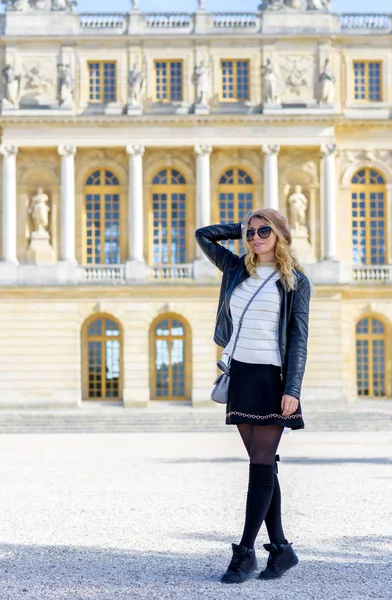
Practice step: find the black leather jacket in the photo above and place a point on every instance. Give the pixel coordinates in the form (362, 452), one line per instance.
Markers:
(294, 311)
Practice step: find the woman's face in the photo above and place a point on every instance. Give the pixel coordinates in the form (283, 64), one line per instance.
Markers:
(264, 248)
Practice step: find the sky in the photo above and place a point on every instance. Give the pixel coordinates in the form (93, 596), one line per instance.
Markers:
(356, 6)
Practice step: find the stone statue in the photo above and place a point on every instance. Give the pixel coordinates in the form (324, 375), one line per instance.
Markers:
(272, 5)
(67, 5)
(11, 87)
(66, 85)
(135, 86)
(39, 211)
(14, 4)
(319, 5)
(326, 84)
(322, 5)
(270, 84)
(38, 4)
(201, 82)
(298, 204)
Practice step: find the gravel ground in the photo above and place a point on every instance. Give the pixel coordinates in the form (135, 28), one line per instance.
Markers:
(152, 516)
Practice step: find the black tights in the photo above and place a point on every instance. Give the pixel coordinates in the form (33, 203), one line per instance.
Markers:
(264, 498)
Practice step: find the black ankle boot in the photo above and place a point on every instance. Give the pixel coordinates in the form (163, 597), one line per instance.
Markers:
(242, 565)
(282, 558)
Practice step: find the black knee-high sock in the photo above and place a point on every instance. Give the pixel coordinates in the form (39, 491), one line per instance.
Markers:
(260, 489)
(273, 518)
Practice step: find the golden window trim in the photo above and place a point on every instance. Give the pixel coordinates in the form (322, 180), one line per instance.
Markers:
(101, 189)
(367, 188)
(370, 337)
(168, 62)
(235, 188)
(168, 189)
(101, 64)
(235, 62)
(367, 100)
(85, 338)
(170, 316)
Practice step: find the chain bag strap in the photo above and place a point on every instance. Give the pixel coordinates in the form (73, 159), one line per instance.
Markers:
(220, 392)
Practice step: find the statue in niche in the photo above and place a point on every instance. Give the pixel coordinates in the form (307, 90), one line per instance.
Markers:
(270, 84)
(200, 80)
(298, 204)
(39, 211)
(67, 5)
(136, 81)
(11, 87)
(326, 84)
(66, 85)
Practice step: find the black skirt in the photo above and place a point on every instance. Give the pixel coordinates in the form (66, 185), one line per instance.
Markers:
(255, 396)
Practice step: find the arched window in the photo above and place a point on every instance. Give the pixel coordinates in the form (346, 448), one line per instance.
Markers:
(371, 357)
(102, 219)
(169, 379)
(169, 197)
(368, 217)
(236, 199)
(102, 341)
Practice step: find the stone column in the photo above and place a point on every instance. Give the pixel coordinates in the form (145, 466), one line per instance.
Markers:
(136, 267)
(328, 154)
(271, 176)
(203, 188)
(67, 246)
(203, 269)
(9, 224)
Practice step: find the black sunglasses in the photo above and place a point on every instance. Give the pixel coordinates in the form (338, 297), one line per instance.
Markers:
(263, 233)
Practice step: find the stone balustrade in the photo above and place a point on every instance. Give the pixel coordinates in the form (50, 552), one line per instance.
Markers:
(102, 273)
(168, 20)
(216, 22)
(235, 21)
(172, 272)
(97, 21)
(372, 273)
(371, 22)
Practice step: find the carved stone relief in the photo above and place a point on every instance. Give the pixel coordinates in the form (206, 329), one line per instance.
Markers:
(297, 72)
(364, 157)
(39, 81)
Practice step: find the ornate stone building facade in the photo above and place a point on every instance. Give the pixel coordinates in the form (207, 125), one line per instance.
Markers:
(123, 133)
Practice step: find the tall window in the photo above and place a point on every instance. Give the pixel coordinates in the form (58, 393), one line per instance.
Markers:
(236, 199)
(234, 80)
(371, 367)
(367, 81)
(169, 360)
(368, 218)
(103, 359)
(169, 192)
(102, 219)
(168, 80)
(102, 81)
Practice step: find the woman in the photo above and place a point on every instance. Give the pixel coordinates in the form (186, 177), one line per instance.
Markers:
(266, 370)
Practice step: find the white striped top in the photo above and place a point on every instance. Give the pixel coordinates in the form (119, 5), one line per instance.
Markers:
(258, 339)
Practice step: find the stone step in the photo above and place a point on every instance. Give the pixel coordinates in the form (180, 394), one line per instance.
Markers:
(126, 421)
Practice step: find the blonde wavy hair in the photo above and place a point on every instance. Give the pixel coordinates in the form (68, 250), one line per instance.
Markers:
(286, 262)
